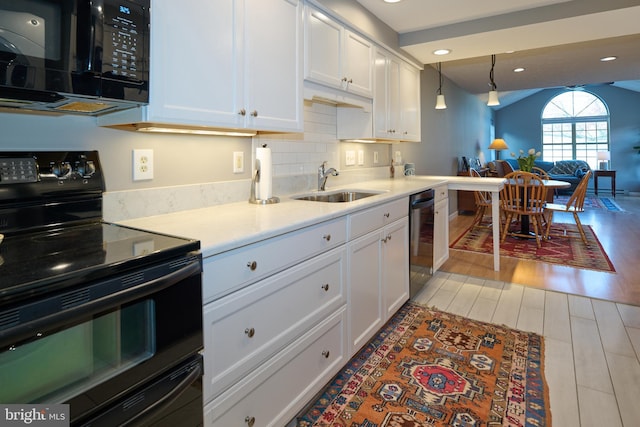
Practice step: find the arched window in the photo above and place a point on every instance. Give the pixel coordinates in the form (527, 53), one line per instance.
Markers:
(575, 125)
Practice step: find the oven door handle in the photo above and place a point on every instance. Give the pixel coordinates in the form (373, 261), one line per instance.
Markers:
(29, 330)
(157, 407)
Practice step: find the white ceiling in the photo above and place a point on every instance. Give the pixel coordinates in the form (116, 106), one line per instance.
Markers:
(558, 42)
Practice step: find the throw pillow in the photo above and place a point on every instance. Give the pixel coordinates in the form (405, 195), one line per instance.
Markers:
(579, 173)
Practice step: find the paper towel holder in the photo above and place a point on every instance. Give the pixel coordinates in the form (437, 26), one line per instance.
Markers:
(254, 182)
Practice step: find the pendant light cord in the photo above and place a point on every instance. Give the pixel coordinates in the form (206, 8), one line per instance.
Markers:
(493, 63)
(440, 78)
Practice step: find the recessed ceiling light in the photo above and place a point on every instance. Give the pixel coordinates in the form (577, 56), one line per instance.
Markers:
(518, 70)
(442, 51)
(392, 1)
(608, 58)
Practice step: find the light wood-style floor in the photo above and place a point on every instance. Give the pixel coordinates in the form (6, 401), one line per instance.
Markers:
(591, 346)
(618, 232)
(590, 320)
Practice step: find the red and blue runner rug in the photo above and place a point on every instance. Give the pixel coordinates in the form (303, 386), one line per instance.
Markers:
(428, 368)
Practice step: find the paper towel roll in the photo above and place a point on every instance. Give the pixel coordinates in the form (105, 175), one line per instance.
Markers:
(263, 158)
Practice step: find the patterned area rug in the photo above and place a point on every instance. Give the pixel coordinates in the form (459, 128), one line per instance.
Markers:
(593, 203)
(427, 368)
(557, 250)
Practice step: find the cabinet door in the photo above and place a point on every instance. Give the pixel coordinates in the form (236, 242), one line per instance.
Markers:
(364, 296)
(409, 102)
(358, 64)
(393, 88)
(386, 102)
(194, 62)
(395, 266)
(273, 65)
(440, 233)
(323, 47)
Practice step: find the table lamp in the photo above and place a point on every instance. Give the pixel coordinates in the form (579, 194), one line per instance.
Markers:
(604, 157)
(498, 144)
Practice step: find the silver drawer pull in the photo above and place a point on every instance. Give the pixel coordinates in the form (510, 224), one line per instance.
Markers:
(326, 354)
(327, 237)
(252, 265)
(325, 287)
(388, 237)
(386, 215)
(242, 112)
(250, 421)
(250, 332)
(254, 113)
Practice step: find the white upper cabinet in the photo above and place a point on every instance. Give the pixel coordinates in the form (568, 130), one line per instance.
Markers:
(396, 102)
(226, 64)
(409, 102)
(335, 56)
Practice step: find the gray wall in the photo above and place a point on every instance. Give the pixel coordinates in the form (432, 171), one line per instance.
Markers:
(519, 125)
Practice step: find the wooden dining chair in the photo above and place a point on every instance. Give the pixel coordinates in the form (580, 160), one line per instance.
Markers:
(523, 195)
(575, 205)
(551, 192)
(483, 202)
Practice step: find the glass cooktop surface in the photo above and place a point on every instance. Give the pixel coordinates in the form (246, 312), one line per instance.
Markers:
(39, 262)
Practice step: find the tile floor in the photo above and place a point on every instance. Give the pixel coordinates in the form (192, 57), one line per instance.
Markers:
(592, 346)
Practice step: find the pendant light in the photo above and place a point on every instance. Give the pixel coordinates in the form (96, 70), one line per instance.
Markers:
(493, 93)
(440, 104)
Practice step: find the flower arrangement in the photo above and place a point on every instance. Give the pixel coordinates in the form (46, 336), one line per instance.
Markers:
(526, 162)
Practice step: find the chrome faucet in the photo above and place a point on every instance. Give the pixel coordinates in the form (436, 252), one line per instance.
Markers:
(324, 174)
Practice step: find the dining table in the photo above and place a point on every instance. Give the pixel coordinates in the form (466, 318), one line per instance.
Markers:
(548, 183)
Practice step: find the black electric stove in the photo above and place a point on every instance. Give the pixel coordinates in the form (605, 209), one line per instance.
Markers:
(54, 236)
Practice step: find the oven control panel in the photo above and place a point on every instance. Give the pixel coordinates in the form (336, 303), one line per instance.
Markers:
(16, 170)
(26, 168)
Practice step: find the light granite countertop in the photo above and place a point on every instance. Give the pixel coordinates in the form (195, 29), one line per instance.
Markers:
(228, 226)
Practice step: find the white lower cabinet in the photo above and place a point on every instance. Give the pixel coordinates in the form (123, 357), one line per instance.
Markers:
(278, 328)
(440, 227)
(378, 268)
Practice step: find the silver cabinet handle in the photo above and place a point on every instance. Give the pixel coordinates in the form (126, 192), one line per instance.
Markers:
(325, 287)
(327, 237)
(252, 265)
(387, 215)
(250, 332)
(250, 421)
(326, 354)
(242, 112)
(254, 113)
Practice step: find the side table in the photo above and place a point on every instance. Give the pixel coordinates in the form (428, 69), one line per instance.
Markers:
(598, 173)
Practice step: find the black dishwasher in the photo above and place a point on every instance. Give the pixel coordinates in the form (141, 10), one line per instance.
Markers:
(421, 213)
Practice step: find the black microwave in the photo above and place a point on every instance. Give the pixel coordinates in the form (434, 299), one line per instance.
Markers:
(74, 56)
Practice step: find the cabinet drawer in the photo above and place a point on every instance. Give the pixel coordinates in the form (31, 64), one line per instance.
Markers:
(361, 223)
(279, 389)
(249, 326)
(235, 269)
(441, 193)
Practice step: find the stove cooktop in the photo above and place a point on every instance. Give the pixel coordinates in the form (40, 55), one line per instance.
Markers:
(40, 262)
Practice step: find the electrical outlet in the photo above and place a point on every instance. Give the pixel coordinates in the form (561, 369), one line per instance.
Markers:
(398, 157)
(350, 158)
(142, 164)
(361, 157)
(238, 162)
(376, 159)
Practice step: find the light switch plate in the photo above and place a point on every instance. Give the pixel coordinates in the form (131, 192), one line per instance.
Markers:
(376, 159)
(361, 157)
(238, 162)
(350, 158)
(142, 164)
(398, 157)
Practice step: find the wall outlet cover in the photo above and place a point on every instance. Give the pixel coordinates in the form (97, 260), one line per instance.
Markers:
(398, 157)
(238, 162)
(376, 159)
(361, 157)
(142, 164)
(350, 158)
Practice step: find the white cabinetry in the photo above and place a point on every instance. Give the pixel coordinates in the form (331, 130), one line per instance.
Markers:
(396, 102)
(378, 269)
(276, 320)
(218, 64)
(335, 56)
(441, 227)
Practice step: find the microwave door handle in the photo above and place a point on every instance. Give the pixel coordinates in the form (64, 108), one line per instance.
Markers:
(143, 417)
(26, 330)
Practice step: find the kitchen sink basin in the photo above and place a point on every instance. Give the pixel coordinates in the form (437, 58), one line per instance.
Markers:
(338, 196)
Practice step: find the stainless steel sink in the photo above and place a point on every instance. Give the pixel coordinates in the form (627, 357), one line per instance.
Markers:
(337, 196)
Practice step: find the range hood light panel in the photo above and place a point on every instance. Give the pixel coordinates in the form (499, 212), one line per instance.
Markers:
(195, 131)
